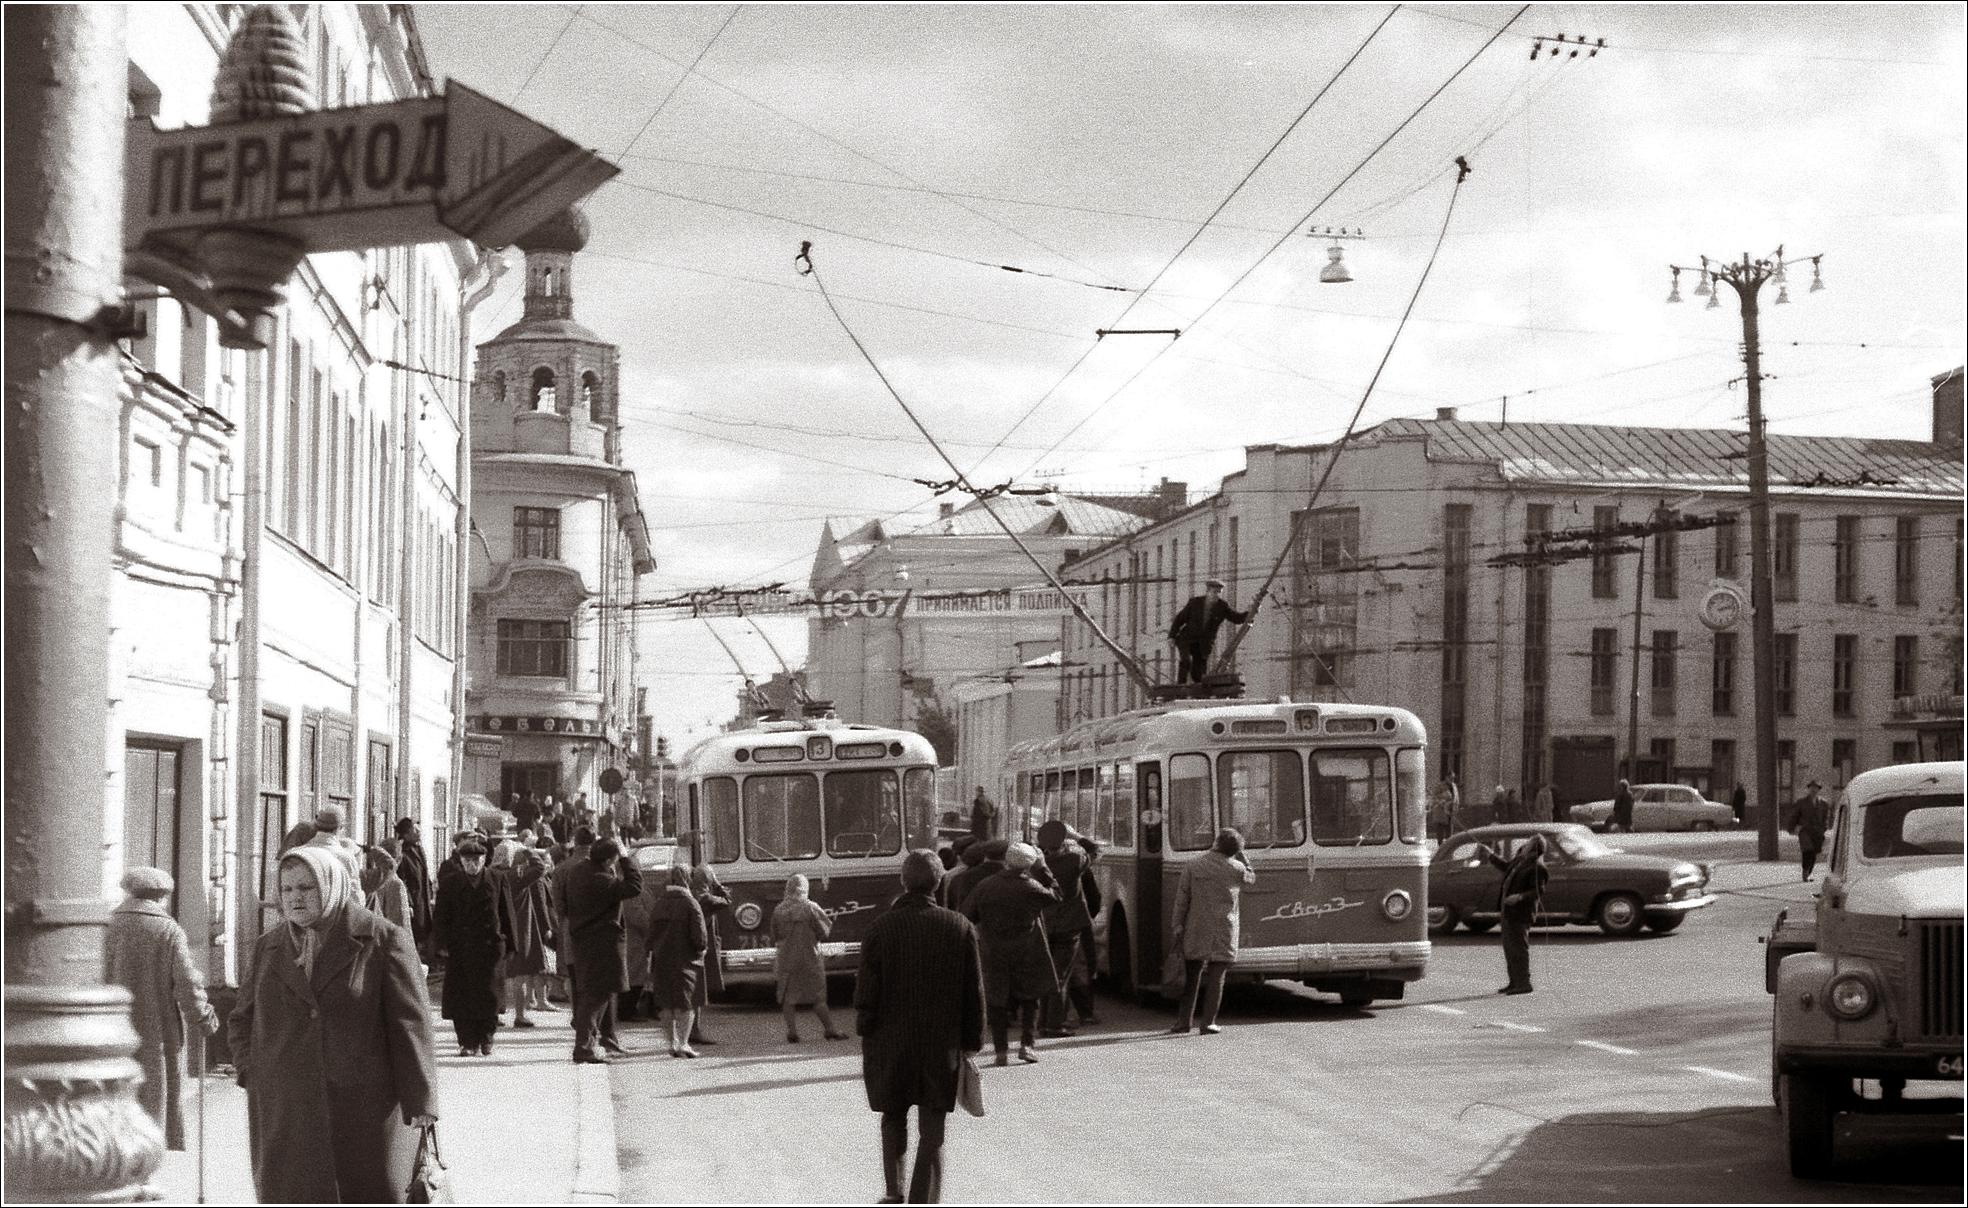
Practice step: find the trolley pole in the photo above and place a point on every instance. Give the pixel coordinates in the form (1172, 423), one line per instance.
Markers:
(1746, 277)
(74, 1131)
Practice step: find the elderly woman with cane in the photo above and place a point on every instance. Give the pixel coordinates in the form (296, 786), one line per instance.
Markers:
(147, 953)
(332, 1041)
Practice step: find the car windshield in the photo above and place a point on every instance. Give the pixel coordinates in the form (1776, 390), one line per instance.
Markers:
(1579, 844)
(1924, 825)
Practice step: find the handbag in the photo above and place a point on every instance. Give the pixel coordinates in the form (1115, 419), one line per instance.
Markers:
(970, 1087)
(430, 1182)
(1175, 971)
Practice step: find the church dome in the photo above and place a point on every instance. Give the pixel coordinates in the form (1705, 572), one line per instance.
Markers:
(566, 231)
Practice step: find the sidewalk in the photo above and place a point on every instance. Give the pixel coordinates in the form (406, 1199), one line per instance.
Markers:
(523, 1126)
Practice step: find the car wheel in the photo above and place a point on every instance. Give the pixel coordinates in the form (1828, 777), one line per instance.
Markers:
(1355, 996)
(1442, 919)
(1619, 914)
(1479, 926)
(1664, 925)
(1703, 826)
(1809, 1105)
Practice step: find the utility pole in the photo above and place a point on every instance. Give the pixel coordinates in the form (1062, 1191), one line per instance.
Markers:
(74, 1130)
(1746, 277)
(1633, 691)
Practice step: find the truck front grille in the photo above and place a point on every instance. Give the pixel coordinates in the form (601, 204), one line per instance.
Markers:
(1940, 979)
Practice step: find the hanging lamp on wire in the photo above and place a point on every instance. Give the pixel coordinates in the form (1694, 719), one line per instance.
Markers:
(1674, 291)
(1334, 272)
(1817, 274)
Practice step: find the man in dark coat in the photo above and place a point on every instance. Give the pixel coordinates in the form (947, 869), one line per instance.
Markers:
(983, 816)
(1524, 875)
(565, 863)
(1809, 816)
(1194, 631)
(1064, 921)
(413, 869)
(982, 861)
(919, 1007)
(1738, 801)
(596, 889)
(1009, 910)
(475, 933)
(1622, 819)
(712, 899)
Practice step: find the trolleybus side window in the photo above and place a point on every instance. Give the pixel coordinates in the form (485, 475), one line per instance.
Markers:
(1263, 796)
(919, 807)
(1082, 818)
(1034, 805)
(1103, 818)
(782, 817)
(1352, 798)
(864, 814)
(1124, 807)
(1051, 797)
(720, 819)
(1190, 826)
(1410, 794)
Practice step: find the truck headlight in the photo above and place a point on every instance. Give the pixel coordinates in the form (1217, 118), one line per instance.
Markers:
(749, 916)
(1396, 904)
(1850, 996)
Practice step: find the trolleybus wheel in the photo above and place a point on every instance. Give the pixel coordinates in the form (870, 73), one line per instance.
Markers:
(1479, 926)
(1120, 957)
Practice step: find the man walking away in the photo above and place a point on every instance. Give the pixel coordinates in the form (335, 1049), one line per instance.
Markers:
(1064, 921)
(1194, 631)
(983, 817)
(1204, 926)
(919, 1009)
(1738, 800)
(1809, 816)
(596, 889)
(1547, 804)
(413, 869)
(1623, 808)
(1442, 808)
(1524, 875)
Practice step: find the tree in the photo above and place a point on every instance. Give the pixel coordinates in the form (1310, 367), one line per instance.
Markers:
(935, 723)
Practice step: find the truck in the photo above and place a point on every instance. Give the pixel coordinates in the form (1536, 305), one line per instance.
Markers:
(1867, 984)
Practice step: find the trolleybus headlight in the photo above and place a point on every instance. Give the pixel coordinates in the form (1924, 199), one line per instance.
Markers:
(1850, 996)
(1396, 904)
(749, 916)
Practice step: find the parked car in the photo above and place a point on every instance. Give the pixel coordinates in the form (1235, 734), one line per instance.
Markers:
(1660, 807)
(1590, 882)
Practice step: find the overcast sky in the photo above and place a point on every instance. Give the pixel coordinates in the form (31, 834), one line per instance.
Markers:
(919, 146)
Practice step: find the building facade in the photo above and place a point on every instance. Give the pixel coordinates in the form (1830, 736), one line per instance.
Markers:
(1410, 584)
(284, 597)
(558, 544)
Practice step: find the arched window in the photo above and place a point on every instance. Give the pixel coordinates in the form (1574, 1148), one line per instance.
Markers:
(499, 387)
(547, 282)
(590, 392)
(543, 389)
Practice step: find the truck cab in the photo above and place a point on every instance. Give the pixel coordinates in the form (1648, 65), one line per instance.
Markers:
(1868, 987)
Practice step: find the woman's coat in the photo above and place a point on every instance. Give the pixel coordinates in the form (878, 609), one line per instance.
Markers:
(1206, 906)
(678, 941)
(147, 953)
(798, 969)
(334, 1066)
(1008, 909)
(523, 894)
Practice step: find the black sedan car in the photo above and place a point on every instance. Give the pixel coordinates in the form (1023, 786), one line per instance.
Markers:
(1590, 882)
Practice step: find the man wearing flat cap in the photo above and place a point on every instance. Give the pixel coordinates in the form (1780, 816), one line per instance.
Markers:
(1194, 631)
(1809, 815)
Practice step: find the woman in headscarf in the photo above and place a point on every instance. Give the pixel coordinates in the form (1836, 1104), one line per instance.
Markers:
(1009, 908)
(146, 952)
(798, 926)
(520, 872)
(472, 929)
(331, 1039)
(383, 891)
(677, 943)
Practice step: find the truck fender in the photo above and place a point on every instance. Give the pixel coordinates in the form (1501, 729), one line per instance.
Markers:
(1810, 973)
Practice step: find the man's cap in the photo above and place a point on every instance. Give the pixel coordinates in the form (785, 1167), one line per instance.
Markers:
(1216, 583)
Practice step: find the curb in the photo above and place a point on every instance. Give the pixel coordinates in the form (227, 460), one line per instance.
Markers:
(597, 1169)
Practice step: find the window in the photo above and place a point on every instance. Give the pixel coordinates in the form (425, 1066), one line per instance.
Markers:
(536, 532)
(1844, 654)
(1230, 567)
(1906, 560)
(1352, 798)
(1667, 565)
(290, 522)
(864, 813)
(1326, 629)
(1159, 593)
(151, 801)
(1906, 752)
(1784, 654)
(1605, 668)
(719, 819)
(273, 803)
(591, 394)
(1411, 793)
(1844, 761)
(1605, 584)
(1906, 665)
(782, 816)
(1845, 561)
(1660, 676)
(1124, 809)
(919, 808)
(499, 387)
(1783, 556)
(1103, 812)
(533, 648)
(1927, 824)
(1728, 547)
(379, 796)
(310, 486)
(331, 498)
(1957, 560)
(1723, 676)
(542, 396)
(1189, 826)
(147, 461)
(1262, 795)
(1786, 767)
(1456, 519)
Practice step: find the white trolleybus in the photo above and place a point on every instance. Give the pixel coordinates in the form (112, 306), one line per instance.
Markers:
(838, 803)
(1328, 797)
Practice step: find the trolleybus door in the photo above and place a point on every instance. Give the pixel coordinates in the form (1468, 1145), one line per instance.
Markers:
(1147, 935)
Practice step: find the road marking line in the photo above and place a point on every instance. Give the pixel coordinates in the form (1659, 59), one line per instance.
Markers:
(1517, 1027)
(1702, 1069)
(1603, 1047)
(1435, 1006)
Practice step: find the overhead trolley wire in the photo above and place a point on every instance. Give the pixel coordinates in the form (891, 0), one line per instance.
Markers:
(687, 73)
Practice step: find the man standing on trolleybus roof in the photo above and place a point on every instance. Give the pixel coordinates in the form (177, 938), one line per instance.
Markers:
(1194, 631)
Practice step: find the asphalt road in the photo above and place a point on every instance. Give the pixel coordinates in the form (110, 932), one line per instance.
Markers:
(1638, 1072)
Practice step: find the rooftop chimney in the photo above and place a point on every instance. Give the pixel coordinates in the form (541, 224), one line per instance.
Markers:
(1445, 413)
(944, 512)
(1947, 408)
(1174, 496)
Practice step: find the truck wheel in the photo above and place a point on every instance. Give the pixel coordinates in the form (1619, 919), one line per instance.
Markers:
(1356, 996)
(1442, 919)
(1809, 1106)
(1619, 914)
(1662, 926)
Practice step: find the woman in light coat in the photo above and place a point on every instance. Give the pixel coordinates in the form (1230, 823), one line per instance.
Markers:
(519, 872)
(675, 957)
(332, 1041)
(383, 891)
(798, 926)
(146, 952)
(1204, 926)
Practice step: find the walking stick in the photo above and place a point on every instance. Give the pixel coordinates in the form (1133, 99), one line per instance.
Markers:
(201, 1111)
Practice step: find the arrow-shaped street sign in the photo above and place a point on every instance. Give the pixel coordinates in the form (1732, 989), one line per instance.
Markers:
(416, 171)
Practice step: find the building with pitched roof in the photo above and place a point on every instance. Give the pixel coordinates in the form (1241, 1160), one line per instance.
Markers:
(1409, 584)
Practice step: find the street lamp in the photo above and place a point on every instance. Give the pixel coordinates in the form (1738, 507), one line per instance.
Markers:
(1746, 277)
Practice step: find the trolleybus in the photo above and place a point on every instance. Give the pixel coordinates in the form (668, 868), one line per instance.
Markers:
(1328, 798)
(838, 803)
